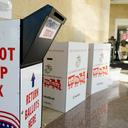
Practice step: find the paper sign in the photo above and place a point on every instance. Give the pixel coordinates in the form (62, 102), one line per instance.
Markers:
(50, 28)
(31, 96)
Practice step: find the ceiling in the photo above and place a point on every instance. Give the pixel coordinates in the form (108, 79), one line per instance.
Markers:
(119, 1)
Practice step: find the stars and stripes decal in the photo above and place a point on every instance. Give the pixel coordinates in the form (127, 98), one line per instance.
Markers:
(8, 120)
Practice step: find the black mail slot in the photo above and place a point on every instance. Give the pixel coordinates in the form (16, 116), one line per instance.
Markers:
(38, 31)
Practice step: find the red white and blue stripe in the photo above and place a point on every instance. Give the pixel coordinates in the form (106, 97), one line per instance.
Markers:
(8, 120)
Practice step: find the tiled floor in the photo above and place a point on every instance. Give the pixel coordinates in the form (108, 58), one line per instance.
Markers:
(106, 109)
(50, 115)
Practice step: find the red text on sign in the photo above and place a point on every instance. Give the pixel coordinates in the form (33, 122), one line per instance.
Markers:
(32, 95)
(32, 121)
(53, 83)
(48, 33)
(7, 53)
(29, 111)
(3, 72)
(1, 94)
(76, 80)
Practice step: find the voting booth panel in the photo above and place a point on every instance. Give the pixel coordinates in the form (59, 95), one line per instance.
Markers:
(98, 67)
(9, 73)
(65, 73)
(23, 45)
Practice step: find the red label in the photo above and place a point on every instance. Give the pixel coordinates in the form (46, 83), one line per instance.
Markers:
(6, 54)
(31, 96)
(3, 72)
(32, 121)
(48, 33)
(1, 93)
(53, 83)
(100, 71)
(29, 111)
(76, 80)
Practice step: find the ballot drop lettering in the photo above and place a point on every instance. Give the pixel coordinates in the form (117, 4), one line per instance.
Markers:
(6, 54)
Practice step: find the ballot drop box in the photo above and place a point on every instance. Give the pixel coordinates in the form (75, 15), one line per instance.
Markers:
(23, 45)
(65, 75)
(98, 67)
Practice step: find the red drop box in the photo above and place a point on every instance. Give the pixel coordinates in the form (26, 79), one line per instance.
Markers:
(23, 45)
(65, 75)
(98, 67)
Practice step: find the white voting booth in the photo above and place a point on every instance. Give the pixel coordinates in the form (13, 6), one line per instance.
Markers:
(23, 45)
(98, 67)
(65, 73)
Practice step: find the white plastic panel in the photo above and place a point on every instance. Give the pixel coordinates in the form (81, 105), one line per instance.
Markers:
(6, 9)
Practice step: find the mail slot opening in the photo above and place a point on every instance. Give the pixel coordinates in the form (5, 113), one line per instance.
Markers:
(58, 16)
(49, 58)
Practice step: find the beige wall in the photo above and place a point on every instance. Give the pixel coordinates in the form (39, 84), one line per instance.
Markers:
(117, 11)
(87, 20)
